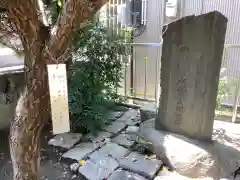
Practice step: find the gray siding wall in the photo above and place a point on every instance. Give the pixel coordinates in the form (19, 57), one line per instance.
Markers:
(231, 9)
(148, 86)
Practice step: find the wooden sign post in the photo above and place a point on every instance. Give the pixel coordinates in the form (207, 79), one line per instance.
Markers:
(57, 78)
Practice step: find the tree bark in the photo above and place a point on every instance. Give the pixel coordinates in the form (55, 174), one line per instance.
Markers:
(41, 47)
(32, 112)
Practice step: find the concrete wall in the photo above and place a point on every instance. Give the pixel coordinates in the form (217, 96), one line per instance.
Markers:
(11, 86)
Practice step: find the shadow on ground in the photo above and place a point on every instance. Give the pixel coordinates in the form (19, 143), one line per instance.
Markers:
(51, 169)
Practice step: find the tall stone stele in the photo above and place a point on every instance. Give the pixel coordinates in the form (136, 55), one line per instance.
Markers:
(190, 68)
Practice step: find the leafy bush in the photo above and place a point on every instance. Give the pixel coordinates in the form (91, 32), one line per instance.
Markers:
(96, 74)
(221, 93)
(223, 90)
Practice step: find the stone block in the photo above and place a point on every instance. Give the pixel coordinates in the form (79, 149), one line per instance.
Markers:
(125, 175)
(193, 158)
(123, 140)
(81, 151)
(101, 136)
(139, 164)
(115, 127)
(65, 140)
(110, 149)
(130, 117)
(98, 168)
(148, 111)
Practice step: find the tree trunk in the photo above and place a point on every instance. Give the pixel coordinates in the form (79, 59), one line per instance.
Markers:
(40, 48)
(26, 127)
(32, 113)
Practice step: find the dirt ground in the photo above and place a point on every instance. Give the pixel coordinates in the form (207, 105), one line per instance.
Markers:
(51, 169)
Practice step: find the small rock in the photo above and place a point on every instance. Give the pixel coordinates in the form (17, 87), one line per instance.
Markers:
(98, 169)
(81, 151)
(148, 111)
(66, 140)
(125, 175)
(110, 149)
(74, 167)
(74, 176)
(115, 127)
(122, 139)
(131, 132)
(137, 163)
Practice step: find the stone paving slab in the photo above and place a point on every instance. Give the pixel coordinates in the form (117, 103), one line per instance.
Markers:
(137, 163)
(99, 169)
(131, 117)
(115, 127)
(110, 149)
(167, 175)
(65, 140)
(132, 132)
(125, 175)
(114, 115)
(99, 138)
(148, 111)
(81, 151)
(122, 139)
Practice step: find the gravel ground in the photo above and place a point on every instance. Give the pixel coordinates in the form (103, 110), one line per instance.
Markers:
(51, 169)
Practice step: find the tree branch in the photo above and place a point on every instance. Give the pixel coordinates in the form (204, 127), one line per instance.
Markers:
(25, 16)
(8, 35)
(73, 14)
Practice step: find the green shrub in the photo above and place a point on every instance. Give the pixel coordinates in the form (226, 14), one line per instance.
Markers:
(221, 94)
(223, 90)
(96, 74)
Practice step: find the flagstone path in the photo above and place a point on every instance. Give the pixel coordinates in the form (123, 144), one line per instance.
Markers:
(110, 154)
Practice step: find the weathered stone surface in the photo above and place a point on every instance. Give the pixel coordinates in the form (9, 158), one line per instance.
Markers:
(114, 115)
(131, 132)
(231, 178)
(123, 140)
(190, 73)
(99, 169)
(193, 158)
(100, 137)
(115, 127)
(110, 149)
(139, 164)
(228, 178)
(132, 129)
(66, 140)
(81, 151)
(131, 117)
(125, 175)
(167, 175)
(148, 111)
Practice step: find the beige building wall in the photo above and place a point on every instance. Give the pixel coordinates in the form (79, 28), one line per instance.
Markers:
(147, 74)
